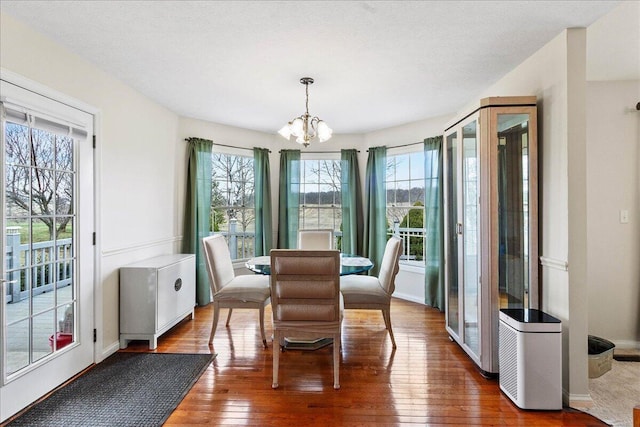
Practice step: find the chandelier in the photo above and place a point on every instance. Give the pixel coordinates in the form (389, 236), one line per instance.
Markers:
(305, 128)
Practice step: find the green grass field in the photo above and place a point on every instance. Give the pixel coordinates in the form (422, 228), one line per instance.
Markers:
(40, 231)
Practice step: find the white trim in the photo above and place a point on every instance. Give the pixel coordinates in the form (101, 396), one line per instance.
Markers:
(577, 401)
(141, 245)
(408, 297)
(411, 268)
(43, 99)
(556, 264)
(108, 351)
(233, 151)
(98, 302)
(47, 92)
(318, 155)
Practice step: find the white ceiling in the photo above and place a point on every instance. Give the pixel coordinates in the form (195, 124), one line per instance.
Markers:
(376, 64)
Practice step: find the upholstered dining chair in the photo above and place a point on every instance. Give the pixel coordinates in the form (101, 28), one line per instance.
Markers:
(231, 291)
(306, 300)
(315, 239)
(374, 293)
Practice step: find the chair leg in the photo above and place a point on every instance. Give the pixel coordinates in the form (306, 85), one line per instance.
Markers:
(264, 339)
(228, 317)
(214, 323)
(386, 313)
(336, 361)
(276, 359)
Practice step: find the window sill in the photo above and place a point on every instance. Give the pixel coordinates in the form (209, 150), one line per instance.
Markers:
(412, 268)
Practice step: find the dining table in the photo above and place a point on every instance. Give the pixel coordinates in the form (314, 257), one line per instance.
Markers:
(349, 264)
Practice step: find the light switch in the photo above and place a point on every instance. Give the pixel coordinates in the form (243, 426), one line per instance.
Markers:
(624, 216)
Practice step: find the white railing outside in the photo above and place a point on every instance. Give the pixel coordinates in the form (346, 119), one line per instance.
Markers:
(36, 265)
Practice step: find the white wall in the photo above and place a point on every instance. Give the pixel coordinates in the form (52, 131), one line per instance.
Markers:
(140, 168)
(613, 184)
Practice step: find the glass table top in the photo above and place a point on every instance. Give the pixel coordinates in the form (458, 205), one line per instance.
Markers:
(349, 264)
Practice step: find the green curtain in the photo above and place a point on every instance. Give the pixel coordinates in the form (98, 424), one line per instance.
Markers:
(289, 199)
(197, 215)
(434, 223)
(262, 201)
(375, 220)
(351, 194)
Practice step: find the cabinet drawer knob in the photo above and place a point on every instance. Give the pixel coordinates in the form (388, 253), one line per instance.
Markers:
(178, 284)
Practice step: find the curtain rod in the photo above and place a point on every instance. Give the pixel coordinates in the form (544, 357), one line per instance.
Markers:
(320, 152)
(404, 145)
(231, 146)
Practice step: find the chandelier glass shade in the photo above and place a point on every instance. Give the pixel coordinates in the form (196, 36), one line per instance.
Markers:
(306, 128)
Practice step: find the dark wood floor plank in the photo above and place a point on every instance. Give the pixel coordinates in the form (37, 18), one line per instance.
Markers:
(427, 380)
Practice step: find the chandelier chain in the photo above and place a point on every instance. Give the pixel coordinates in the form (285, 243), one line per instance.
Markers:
(305, 128)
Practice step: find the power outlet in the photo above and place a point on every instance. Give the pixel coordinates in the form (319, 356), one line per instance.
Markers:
(624, 216)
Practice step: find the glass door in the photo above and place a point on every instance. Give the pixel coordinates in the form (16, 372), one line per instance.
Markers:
(451, 233)
(462, 238)
(513, 210)
(47, 261)
(470, 234)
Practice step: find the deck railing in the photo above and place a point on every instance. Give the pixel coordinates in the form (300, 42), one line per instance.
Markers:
(413, 247)
(41, 265)
(242, 243)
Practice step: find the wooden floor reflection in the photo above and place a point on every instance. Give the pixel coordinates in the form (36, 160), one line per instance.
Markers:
(427, 380)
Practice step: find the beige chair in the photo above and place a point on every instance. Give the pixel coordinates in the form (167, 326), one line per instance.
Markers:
(231, 291)
(306, 300)
(374, 293)
(315, 239)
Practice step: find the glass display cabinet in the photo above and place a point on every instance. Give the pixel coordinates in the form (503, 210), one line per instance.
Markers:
(491, 222)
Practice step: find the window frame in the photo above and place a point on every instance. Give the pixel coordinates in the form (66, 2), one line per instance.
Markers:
(242, 241)
(404, 183)
(335, 209)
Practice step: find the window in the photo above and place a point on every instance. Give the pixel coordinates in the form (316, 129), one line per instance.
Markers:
(232, 202)
(320, 203)
(405, 204)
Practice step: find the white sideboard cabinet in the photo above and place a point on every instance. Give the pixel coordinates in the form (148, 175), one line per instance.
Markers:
(155, 294)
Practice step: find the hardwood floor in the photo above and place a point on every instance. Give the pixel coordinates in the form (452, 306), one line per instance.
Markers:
(428, 380)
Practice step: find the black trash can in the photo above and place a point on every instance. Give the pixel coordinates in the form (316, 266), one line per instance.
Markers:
(600, 356)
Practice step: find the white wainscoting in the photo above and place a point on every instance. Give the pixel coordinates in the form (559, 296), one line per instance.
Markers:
(410, 284)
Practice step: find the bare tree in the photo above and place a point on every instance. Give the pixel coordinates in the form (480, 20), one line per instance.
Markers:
(233, 190)
(39, 176)
(327, 173)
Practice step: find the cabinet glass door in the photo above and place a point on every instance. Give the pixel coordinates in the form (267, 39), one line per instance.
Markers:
(451, 231)
(470, 234)
(513, 210)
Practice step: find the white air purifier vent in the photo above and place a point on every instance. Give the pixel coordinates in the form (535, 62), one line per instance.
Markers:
(530, 357)
(508, 359)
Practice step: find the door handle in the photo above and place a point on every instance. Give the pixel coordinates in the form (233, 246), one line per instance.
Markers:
(459, 228)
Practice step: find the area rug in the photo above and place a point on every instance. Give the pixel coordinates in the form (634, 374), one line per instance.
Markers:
(127, 389)
(616, 393)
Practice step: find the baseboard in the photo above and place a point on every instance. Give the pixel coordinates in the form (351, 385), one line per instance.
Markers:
(577, 401)
(108, 351)
(627, 344)
(408, 297)
(626, 351)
